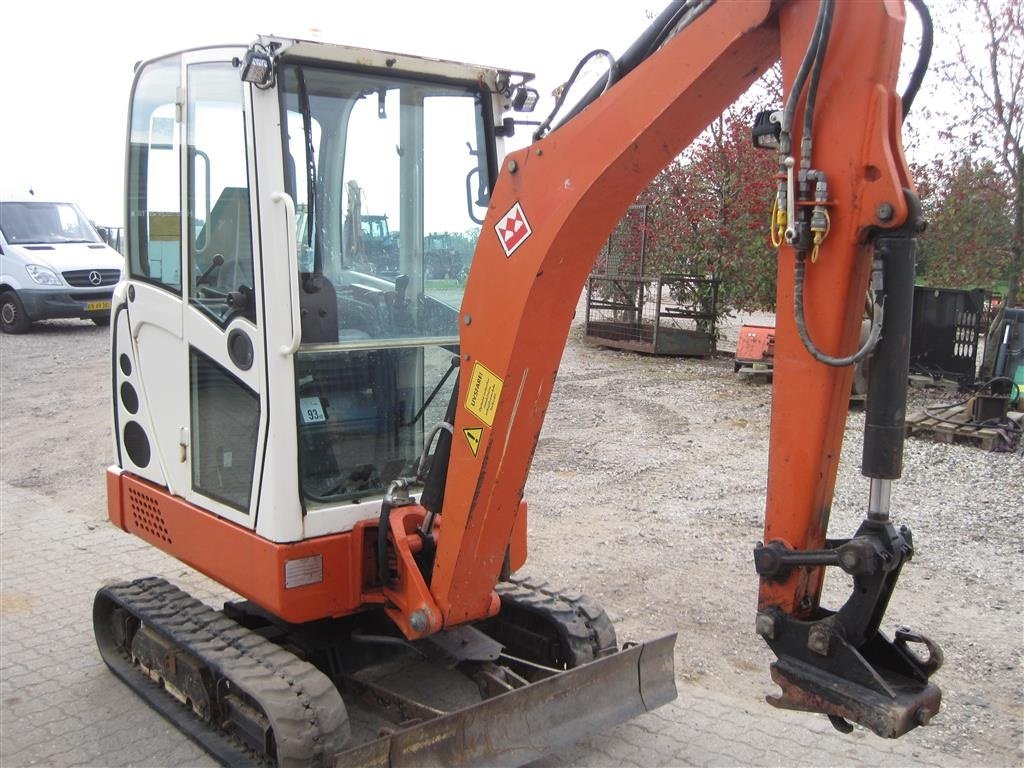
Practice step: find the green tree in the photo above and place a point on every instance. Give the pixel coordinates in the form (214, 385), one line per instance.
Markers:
(990, 121)
(987, 72)
(709, 213)
(968, 205)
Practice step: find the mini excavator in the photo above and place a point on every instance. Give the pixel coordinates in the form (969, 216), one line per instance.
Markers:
(347, 451)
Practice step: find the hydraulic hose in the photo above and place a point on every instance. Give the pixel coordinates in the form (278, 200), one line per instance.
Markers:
(924, 55)
(826, 16)
(877, 319)
(432, 497)
(605, 84)
(653, 37)
(799, 81)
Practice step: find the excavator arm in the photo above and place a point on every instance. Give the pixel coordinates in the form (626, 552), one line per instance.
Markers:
(553, 206)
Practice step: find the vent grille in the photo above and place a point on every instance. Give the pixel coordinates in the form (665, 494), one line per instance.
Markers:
(82, 278)
(146, 515)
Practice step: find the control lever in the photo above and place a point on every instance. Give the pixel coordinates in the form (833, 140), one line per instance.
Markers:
(217, 263)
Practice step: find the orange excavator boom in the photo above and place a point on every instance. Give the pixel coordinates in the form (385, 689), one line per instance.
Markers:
(554, 205)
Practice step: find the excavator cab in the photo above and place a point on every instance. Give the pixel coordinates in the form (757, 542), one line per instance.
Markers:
(369, 359)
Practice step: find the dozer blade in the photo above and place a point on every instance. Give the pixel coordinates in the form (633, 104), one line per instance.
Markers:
(526, 724)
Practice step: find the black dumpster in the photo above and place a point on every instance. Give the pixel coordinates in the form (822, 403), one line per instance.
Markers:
(945, 333)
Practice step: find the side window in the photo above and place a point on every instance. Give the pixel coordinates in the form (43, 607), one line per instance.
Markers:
(225, 426)
(373, 173)
(219, 225)
(154, 190)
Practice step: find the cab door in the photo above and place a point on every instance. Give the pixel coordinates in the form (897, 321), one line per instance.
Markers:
(224, 349)
(150, 414)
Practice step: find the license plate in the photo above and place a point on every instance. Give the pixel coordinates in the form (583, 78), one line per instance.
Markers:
(96, 306)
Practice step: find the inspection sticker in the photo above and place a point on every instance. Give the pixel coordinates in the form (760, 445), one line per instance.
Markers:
(473, 435)
(312, 410)
(513, 229)
(483, 392)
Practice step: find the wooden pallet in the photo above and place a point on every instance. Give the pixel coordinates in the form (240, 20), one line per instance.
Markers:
(953, 425)
(917, 381)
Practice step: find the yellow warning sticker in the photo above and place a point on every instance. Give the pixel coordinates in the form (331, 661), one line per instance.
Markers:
(482, 394)
(473, 435)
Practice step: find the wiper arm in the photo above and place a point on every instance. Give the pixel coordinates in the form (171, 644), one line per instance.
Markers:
(307, 131)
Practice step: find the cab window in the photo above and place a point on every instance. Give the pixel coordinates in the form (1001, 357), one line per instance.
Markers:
(219, 225)
(154, 168)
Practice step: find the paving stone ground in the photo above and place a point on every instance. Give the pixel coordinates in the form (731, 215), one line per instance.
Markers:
(59, 705)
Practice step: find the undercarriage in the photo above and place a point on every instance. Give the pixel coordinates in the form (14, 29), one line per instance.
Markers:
(253, 690)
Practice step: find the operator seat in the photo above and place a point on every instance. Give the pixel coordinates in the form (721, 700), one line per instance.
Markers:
(318, 309)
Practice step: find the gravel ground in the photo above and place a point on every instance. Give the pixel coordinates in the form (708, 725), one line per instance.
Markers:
(647, 493)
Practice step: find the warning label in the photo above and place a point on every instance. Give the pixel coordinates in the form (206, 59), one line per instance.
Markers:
(513, 229)
(482, 394)
(473, 435)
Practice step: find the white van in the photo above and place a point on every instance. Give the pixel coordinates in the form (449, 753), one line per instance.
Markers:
(52, 265)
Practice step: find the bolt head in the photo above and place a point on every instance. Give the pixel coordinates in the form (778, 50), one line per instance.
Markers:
(764, 625)
(819, 641)
(419, 621)
(513, 166)
(884, 212)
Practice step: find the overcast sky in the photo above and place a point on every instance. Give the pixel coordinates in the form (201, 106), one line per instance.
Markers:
(67, 66)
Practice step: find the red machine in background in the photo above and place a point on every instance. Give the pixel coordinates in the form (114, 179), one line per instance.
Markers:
(755, 348)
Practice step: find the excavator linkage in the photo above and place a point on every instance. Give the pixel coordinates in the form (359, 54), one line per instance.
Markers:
(248, 701)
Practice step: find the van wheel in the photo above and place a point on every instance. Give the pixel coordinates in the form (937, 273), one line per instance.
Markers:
(12, 314)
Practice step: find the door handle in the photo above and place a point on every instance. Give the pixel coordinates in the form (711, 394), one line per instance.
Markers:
(293, 268)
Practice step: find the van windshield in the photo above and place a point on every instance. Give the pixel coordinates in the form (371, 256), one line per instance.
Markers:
(31, 222)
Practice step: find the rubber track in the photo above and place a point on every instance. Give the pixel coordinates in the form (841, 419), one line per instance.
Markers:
(305, 710)
(587, 629)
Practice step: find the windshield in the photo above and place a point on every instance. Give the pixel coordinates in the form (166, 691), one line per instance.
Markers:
(390, 181)
(32, 223)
